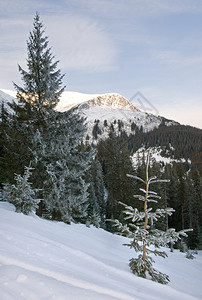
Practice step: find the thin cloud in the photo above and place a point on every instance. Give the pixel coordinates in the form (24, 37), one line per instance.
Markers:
(140, 7)
(176, 58)
(22, 7)
(82, 45)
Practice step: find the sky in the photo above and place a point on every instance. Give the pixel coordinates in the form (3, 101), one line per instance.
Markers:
(151, 48)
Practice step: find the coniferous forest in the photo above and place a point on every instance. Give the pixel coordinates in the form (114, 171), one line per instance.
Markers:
(48, 166)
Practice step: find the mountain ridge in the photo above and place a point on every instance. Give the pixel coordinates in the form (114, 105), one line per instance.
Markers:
(110, 107)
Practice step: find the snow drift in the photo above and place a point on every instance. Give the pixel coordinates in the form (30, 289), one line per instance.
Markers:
(40, 259)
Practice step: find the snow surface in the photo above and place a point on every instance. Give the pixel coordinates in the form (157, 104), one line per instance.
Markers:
(6, 98)
(155, 153)
(9, 92)
(148, 121)
(70, 99)
(40, 259)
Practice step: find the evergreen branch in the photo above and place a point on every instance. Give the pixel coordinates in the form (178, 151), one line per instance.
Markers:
(157, 252)
(152, 178)
(183, 232)
(136, 177)
(152, 200)
(139, 197)
(152, 192)
(160, 180)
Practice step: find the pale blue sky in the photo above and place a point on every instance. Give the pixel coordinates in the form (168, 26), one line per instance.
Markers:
(123, 46)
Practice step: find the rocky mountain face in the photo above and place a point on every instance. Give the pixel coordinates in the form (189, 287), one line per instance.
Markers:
(112, 100)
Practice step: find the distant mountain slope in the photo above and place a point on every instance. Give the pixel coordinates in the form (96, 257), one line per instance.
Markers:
(72, 99)
(105, 112)
(180, 141)
(107, 109)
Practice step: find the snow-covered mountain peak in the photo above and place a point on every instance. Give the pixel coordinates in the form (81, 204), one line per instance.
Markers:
(71, 99)
(74, 99)
(112, 100)
(106, 108)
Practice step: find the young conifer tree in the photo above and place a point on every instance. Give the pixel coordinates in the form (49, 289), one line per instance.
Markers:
(142, 232)
(22, 194)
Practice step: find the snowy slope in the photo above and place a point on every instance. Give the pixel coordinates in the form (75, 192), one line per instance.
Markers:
(6, 97)
(72, 99)
(40, 259)
(110, 107)
(12, 94)
(155, 155)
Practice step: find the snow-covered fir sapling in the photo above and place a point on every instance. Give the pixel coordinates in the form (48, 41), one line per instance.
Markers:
(143, 233)
(21, 194)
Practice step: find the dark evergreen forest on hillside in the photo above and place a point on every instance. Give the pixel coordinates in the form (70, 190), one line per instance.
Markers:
(183, 192)
(186, 141)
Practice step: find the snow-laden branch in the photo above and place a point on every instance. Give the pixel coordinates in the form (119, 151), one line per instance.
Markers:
(135, 177)
(159, 180)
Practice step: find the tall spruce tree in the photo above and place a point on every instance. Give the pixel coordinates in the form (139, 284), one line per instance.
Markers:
(36, 100)
(195, 210)
(34, 111)
(42, 82)
(49, 138)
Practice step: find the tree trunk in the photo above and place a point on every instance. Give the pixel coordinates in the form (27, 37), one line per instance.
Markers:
(145, 205)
